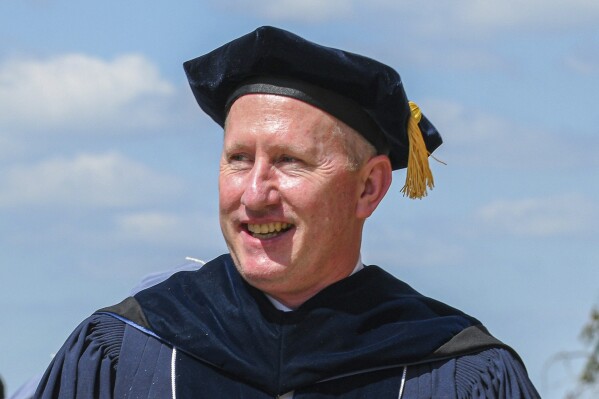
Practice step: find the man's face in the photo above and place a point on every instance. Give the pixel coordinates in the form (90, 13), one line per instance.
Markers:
(287, 197)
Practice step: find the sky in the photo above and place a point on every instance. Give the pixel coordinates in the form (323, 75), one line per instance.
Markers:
(108, 168)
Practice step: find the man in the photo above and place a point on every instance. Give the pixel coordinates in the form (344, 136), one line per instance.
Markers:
(311, 137)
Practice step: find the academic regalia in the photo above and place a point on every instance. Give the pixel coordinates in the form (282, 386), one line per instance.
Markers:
(209, 334)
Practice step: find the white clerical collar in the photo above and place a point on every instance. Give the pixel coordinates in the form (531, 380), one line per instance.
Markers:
(280, 306)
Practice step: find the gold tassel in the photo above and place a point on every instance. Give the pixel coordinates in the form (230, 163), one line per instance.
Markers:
(418, 175)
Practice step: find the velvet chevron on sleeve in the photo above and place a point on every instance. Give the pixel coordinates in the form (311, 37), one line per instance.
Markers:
(86, 364)
(493, 373)
(108, 358)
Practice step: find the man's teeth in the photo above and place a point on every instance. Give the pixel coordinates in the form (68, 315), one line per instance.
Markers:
(267, 228)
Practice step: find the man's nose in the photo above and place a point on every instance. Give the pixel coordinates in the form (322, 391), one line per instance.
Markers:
(260, 188)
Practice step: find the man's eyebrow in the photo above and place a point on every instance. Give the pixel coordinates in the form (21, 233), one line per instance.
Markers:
(292, 147)
(236, 146)
(286, 147)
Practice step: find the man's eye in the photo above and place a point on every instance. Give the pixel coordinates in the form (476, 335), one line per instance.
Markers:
(238, 158)
(287, 159)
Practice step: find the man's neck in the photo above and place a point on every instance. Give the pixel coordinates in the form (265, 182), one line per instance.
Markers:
(281, 306)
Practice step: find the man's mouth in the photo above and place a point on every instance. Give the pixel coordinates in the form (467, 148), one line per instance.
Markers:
(268, 230)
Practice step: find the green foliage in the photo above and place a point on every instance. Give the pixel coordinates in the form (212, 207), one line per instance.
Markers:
(588, 383)
(590, 335)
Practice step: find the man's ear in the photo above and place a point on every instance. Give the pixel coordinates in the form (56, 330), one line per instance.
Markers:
(376, 177)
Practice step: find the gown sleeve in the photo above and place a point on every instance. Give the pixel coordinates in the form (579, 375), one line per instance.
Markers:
(85, 366)
(493, 373)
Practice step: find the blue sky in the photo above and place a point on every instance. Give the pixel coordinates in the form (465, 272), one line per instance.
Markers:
(108, 168)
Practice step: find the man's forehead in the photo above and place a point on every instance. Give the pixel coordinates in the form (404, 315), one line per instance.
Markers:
(281, 115)
(262, 105)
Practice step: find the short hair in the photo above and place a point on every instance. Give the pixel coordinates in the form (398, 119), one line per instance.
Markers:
(358, 149)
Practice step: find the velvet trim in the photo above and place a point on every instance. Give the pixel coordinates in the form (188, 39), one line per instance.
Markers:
(367, 321)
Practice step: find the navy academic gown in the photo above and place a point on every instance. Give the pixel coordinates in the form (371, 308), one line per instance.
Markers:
(208, 334)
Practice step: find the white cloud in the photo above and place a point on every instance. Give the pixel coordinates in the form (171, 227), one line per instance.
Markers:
(468, 16)
(439, 16)
(293, 10)
(560, 215)
(547, 14)
(153, 227)
(9, 147)
(476, 138)
(584, 64)
(80, 91)
(383, 241)
(170, 229)
(452, 57)
(87, 180)
(147, 224)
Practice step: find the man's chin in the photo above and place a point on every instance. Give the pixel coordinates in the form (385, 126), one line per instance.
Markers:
(262, 273)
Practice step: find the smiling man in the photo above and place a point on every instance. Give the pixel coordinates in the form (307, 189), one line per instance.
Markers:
(311, 136)
(292, 202)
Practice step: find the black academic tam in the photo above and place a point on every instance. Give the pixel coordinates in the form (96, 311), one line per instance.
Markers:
(366, 94)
